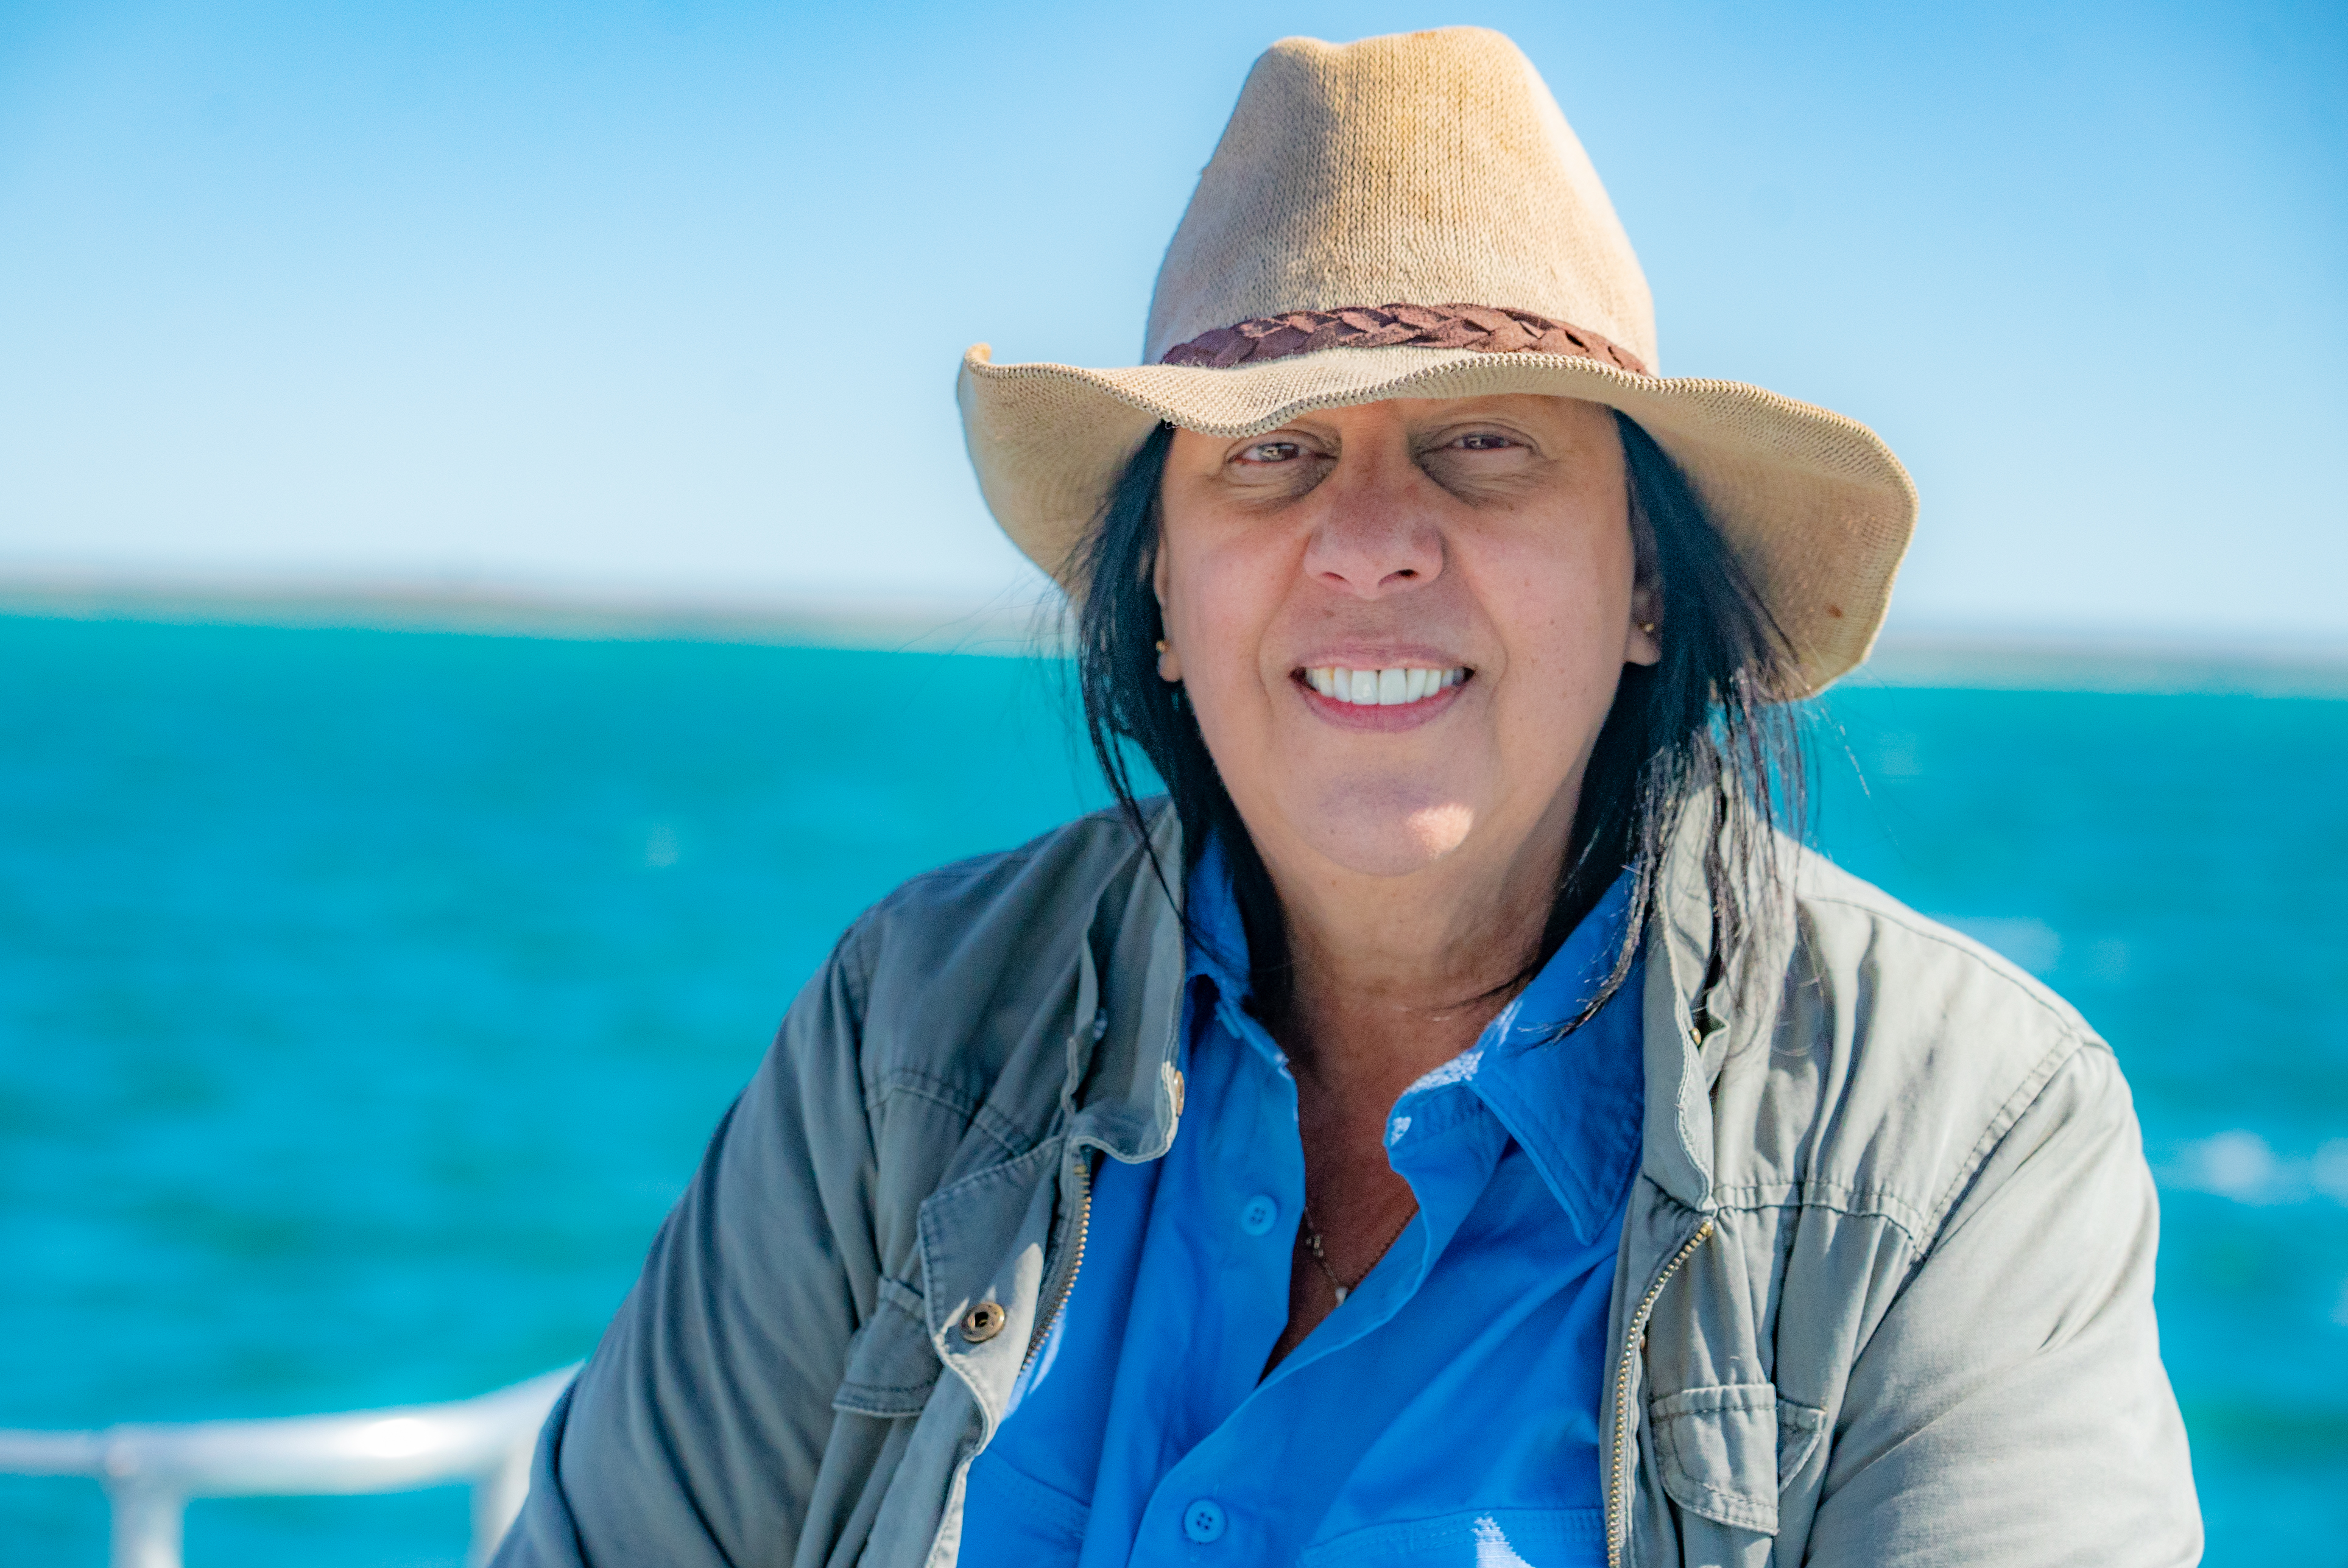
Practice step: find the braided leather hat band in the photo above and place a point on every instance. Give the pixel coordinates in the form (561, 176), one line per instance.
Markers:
(1480, 329)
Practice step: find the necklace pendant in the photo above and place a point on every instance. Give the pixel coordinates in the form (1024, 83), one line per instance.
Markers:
(1344, 1291)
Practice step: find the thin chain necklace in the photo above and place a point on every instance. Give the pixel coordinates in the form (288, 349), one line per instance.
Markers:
(1344, 1287)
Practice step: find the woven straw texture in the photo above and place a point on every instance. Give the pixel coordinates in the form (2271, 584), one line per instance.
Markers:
(1430, 168)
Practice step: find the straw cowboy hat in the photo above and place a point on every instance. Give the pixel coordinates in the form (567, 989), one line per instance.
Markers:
(1411, 217)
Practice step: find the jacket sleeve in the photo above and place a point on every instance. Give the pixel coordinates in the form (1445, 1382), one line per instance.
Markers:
(2011, 1408)
(694, 1436)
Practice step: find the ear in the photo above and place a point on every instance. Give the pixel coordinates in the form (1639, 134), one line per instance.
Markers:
(1169, 663)
(1642, 642)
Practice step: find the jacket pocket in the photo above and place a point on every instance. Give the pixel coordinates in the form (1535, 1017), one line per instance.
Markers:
(892, 1367)
(1717, 1451)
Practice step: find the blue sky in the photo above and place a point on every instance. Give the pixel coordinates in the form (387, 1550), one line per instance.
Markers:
(665, 297)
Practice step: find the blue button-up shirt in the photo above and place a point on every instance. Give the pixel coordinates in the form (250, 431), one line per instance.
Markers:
(1446, 1413)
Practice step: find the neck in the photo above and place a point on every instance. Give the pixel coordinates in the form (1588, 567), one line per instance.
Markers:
(1393, 976)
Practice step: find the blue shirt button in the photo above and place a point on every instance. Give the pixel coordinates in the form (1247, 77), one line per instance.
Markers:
(1203, 1521)
(1257, 1213)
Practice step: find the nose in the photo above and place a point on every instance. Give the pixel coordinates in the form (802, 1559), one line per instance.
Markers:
(1375, 535)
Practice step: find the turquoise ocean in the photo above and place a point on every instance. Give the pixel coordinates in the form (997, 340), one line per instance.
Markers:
(366, 997)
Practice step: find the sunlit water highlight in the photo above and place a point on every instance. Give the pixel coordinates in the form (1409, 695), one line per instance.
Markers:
(365, 999)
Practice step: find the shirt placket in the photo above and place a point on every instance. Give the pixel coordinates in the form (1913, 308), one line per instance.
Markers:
(1209, 1506)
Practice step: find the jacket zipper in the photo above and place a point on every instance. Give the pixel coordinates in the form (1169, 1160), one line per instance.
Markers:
(1617, 1502)
(1076, 1261)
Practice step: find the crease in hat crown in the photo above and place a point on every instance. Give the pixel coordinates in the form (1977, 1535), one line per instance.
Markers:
(1423, 169)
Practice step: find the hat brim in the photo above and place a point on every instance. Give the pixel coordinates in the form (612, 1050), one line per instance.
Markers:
(1814, 504)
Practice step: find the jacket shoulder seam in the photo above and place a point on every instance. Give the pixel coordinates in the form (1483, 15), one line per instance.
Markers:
(2071, 1035)
(2025, 1095)
(1892, 914)
(981, 1118)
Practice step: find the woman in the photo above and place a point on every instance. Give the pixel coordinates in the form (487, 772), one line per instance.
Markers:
(1454, 1127)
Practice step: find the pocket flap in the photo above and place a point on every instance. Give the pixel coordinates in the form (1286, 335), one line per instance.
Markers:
(1718, 1450)
(1800, 1429)
(891, 1366)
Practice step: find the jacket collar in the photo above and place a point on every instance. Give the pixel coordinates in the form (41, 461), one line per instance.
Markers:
(1124, 1089)
(1692, 1032)
(1573, 1105)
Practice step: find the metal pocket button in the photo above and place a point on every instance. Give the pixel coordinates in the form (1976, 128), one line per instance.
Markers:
(984, 1322)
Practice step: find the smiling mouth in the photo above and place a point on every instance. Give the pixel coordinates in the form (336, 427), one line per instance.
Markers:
(1390, 688)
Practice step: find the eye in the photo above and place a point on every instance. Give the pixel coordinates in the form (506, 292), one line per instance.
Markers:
(1483, 441)
(1271, 452)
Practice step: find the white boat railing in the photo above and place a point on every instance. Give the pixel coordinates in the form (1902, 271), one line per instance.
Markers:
(150, 1472)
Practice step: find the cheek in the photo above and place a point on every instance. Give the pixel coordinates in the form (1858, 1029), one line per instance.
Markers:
(1563, 617)
(1219, 595)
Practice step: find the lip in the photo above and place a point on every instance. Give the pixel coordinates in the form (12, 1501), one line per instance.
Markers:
(1380, 720)
(1379, 655)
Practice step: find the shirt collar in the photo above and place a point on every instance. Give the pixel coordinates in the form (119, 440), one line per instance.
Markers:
(1217, 940)
(1573, 1104)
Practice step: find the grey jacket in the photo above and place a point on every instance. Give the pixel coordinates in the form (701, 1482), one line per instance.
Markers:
(1884, 1293)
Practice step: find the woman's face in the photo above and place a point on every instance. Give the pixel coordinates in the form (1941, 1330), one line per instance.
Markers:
(1401, 624)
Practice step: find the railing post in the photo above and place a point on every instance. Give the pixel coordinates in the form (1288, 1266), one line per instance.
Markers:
(149, 1472)
(497, 1498)
(146, 1524)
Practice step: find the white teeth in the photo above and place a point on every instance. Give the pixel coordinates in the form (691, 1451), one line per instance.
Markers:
(1382, 688)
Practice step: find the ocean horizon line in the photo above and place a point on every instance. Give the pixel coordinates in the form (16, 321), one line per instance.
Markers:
(1006, 624)
(1034, 623)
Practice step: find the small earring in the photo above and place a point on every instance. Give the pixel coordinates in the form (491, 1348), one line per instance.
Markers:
(1162, 645)
(1647, 626)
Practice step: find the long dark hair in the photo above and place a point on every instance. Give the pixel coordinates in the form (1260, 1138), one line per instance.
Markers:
(1702, 729)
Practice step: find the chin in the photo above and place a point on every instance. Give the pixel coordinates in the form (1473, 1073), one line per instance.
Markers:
(1389, 838)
